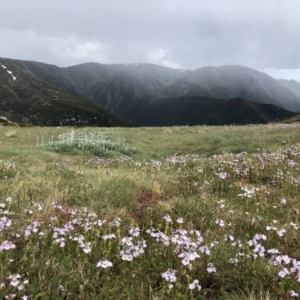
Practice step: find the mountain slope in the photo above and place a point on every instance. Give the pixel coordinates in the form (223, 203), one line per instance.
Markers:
(242, 112)
(197, 110)
(292, 85)
(27, 95)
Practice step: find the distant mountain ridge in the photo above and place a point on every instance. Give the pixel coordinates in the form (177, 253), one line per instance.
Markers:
(132, 91)
(127, 83)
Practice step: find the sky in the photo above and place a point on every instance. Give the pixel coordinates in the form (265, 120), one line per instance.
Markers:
(186, 34)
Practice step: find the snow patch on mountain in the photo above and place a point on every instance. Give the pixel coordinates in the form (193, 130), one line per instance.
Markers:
(12, 75)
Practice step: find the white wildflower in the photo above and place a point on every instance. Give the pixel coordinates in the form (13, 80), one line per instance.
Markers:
(104, 264)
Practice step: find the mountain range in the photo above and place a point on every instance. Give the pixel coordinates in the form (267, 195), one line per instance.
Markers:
(27, 98)
(141, 94)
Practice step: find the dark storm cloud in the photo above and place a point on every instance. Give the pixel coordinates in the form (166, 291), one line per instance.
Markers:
(262, 34)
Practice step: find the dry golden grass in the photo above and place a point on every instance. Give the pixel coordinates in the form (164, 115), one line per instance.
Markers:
(11, 133)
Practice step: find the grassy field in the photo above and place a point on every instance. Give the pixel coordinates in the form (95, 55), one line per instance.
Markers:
(150, 213)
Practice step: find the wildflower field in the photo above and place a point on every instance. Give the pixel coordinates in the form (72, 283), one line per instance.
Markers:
(150, 213)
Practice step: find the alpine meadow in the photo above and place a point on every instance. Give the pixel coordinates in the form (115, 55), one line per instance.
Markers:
(150, 150)
(201, 212)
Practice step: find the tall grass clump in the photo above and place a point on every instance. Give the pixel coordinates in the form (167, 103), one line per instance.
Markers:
(95, 143)
(11, 133)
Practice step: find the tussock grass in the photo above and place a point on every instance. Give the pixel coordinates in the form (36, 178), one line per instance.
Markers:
(11, 133)
(72, 220)
(95, 143)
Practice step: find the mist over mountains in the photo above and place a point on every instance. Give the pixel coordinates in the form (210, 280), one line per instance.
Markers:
(142, 94)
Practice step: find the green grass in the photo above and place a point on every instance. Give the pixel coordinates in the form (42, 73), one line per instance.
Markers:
(206, 183)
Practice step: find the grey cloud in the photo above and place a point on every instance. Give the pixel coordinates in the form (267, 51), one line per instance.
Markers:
(186, 34)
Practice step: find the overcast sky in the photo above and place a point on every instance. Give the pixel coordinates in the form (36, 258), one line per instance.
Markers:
(187, 34)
